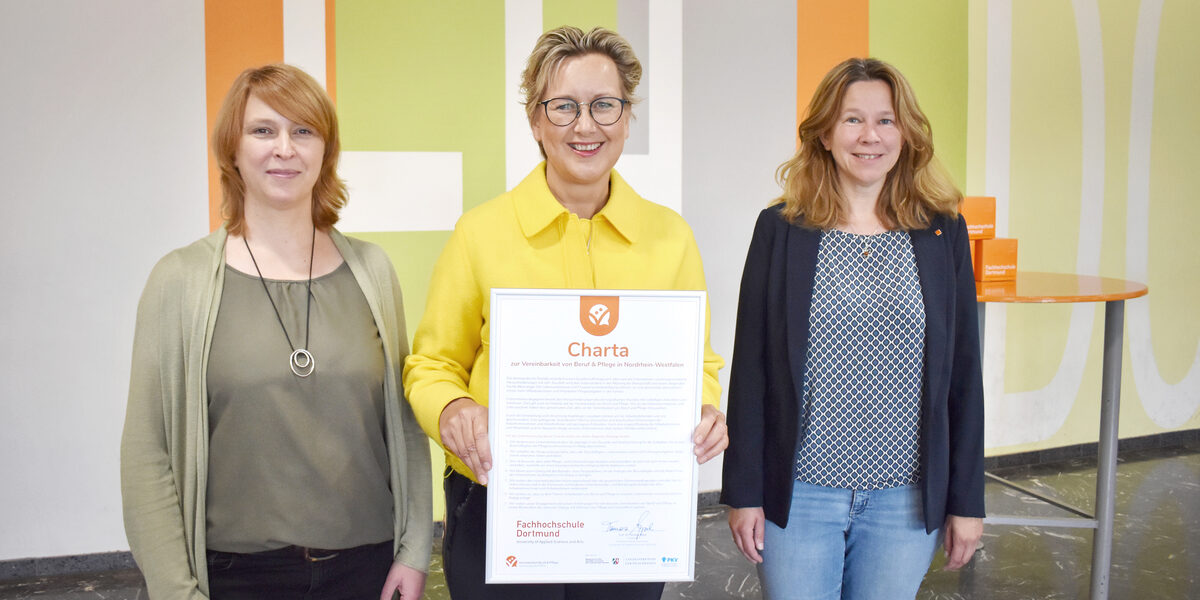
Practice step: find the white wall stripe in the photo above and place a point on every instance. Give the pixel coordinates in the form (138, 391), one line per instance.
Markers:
(304, 36)
(658, 176)
(522, 26)
(997, 173)
(1092, 145)
(402, 191)
(1167, 405)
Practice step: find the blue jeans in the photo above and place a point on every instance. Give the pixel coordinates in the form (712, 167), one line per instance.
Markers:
(853, 544)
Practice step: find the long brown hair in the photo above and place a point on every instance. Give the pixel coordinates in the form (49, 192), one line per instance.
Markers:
(914, 190)
(297, 96)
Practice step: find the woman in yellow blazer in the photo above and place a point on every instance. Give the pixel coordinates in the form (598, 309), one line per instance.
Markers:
(572, 223)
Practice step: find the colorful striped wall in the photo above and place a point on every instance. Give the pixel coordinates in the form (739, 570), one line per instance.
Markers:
(1071, 113)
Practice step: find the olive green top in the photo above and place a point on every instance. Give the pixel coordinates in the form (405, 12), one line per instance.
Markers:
(292, 460)
(164, 447)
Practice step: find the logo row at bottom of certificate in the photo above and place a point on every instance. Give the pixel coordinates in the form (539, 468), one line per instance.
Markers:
(513, 561)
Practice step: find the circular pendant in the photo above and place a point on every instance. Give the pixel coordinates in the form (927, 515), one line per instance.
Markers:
(302, 362)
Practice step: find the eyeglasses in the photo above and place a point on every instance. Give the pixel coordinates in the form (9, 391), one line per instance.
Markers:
(564, 111)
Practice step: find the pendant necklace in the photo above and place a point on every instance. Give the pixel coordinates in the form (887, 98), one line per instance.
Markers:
(866, 243)
(301, 361)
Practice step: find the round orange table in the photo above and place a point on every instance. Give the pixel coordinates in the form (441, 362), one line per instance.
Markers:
(1037, 287)
(1032, 286)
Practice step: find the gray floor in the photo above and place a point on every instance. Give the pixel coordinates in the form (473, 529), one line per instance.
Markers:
(1156, 553)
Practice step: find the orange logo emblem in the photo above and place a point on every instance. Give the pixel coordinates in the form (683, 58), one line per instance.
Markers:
(511, 561)
(598, 314)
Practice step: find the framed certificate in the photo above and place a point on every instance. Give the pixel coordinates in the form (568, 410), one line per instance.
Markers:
(593, 398)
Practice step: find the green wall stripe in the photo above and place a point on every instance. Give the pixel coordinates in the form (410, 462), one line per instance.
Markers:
(584, 15)
(419, 76)
(927, 41)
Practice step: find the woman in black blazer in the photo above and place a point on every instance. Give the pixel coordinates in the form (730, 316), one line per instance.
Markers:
(856, 399)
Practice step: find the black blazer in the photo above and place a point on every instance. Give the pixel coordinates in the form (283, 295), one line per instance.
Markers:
(769, 363)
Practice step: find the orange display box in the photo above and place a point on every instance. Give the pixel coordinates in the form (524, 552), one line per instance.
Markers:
(996, 259)
(980, 214)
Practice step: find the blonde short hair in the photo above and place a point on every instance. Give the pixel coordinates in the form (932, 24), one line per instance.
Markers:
(559, 44)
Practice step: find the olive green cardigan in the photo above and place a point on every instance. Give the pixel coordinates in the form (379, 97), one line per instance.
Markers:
(164, 448)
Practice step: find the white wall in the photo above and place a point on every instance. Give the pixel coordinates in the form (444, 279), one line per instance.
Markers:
(104, 170)
(739, 121)
(104, 159)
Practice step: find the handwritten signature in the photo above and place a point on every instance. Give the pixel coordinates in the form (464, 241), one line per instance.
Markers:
(632, 531)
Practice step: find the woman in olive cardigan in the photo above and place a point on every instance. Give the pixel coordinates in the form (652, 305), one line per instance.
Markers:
(286, 439)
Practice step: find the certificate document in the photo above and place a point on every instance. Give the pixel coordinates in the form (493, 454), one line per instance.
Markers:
(593, 399)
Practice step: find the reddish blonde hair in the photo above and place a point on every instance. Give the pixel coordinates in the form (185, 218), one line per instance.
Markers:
(297, 96)
(915, 190)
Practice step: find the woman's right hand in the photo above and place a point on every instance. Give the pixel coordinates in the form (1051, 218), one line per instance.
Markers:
(463, 426)
(747, 524)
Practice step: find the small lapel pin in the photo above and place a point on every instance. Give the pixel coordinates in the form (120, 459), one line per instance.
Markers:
(937, 232)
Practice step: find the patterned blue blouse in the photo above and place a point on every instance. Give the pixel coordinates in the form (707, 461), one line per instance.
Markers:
(861, 411)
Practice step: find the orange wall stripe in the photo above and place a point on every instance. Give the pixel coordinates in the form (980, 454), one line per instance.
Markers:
(827, 32)
(238, 34)
(330, 56)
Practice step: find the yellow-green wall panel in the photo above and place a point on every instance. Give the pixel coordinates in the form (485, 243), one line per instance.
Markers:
(927, 41)
(414, 254)
(1174, 256)
(419, 76)
(1044, 193)
(584, 15)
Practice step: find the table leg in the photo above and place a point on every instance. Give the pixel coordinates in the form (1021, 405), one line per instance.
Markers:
(1106, 472)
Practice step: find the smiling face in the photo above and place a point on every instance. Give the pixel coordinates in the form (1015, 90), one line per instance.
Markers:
(278, 159)
(582, 153)
(865, 141)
